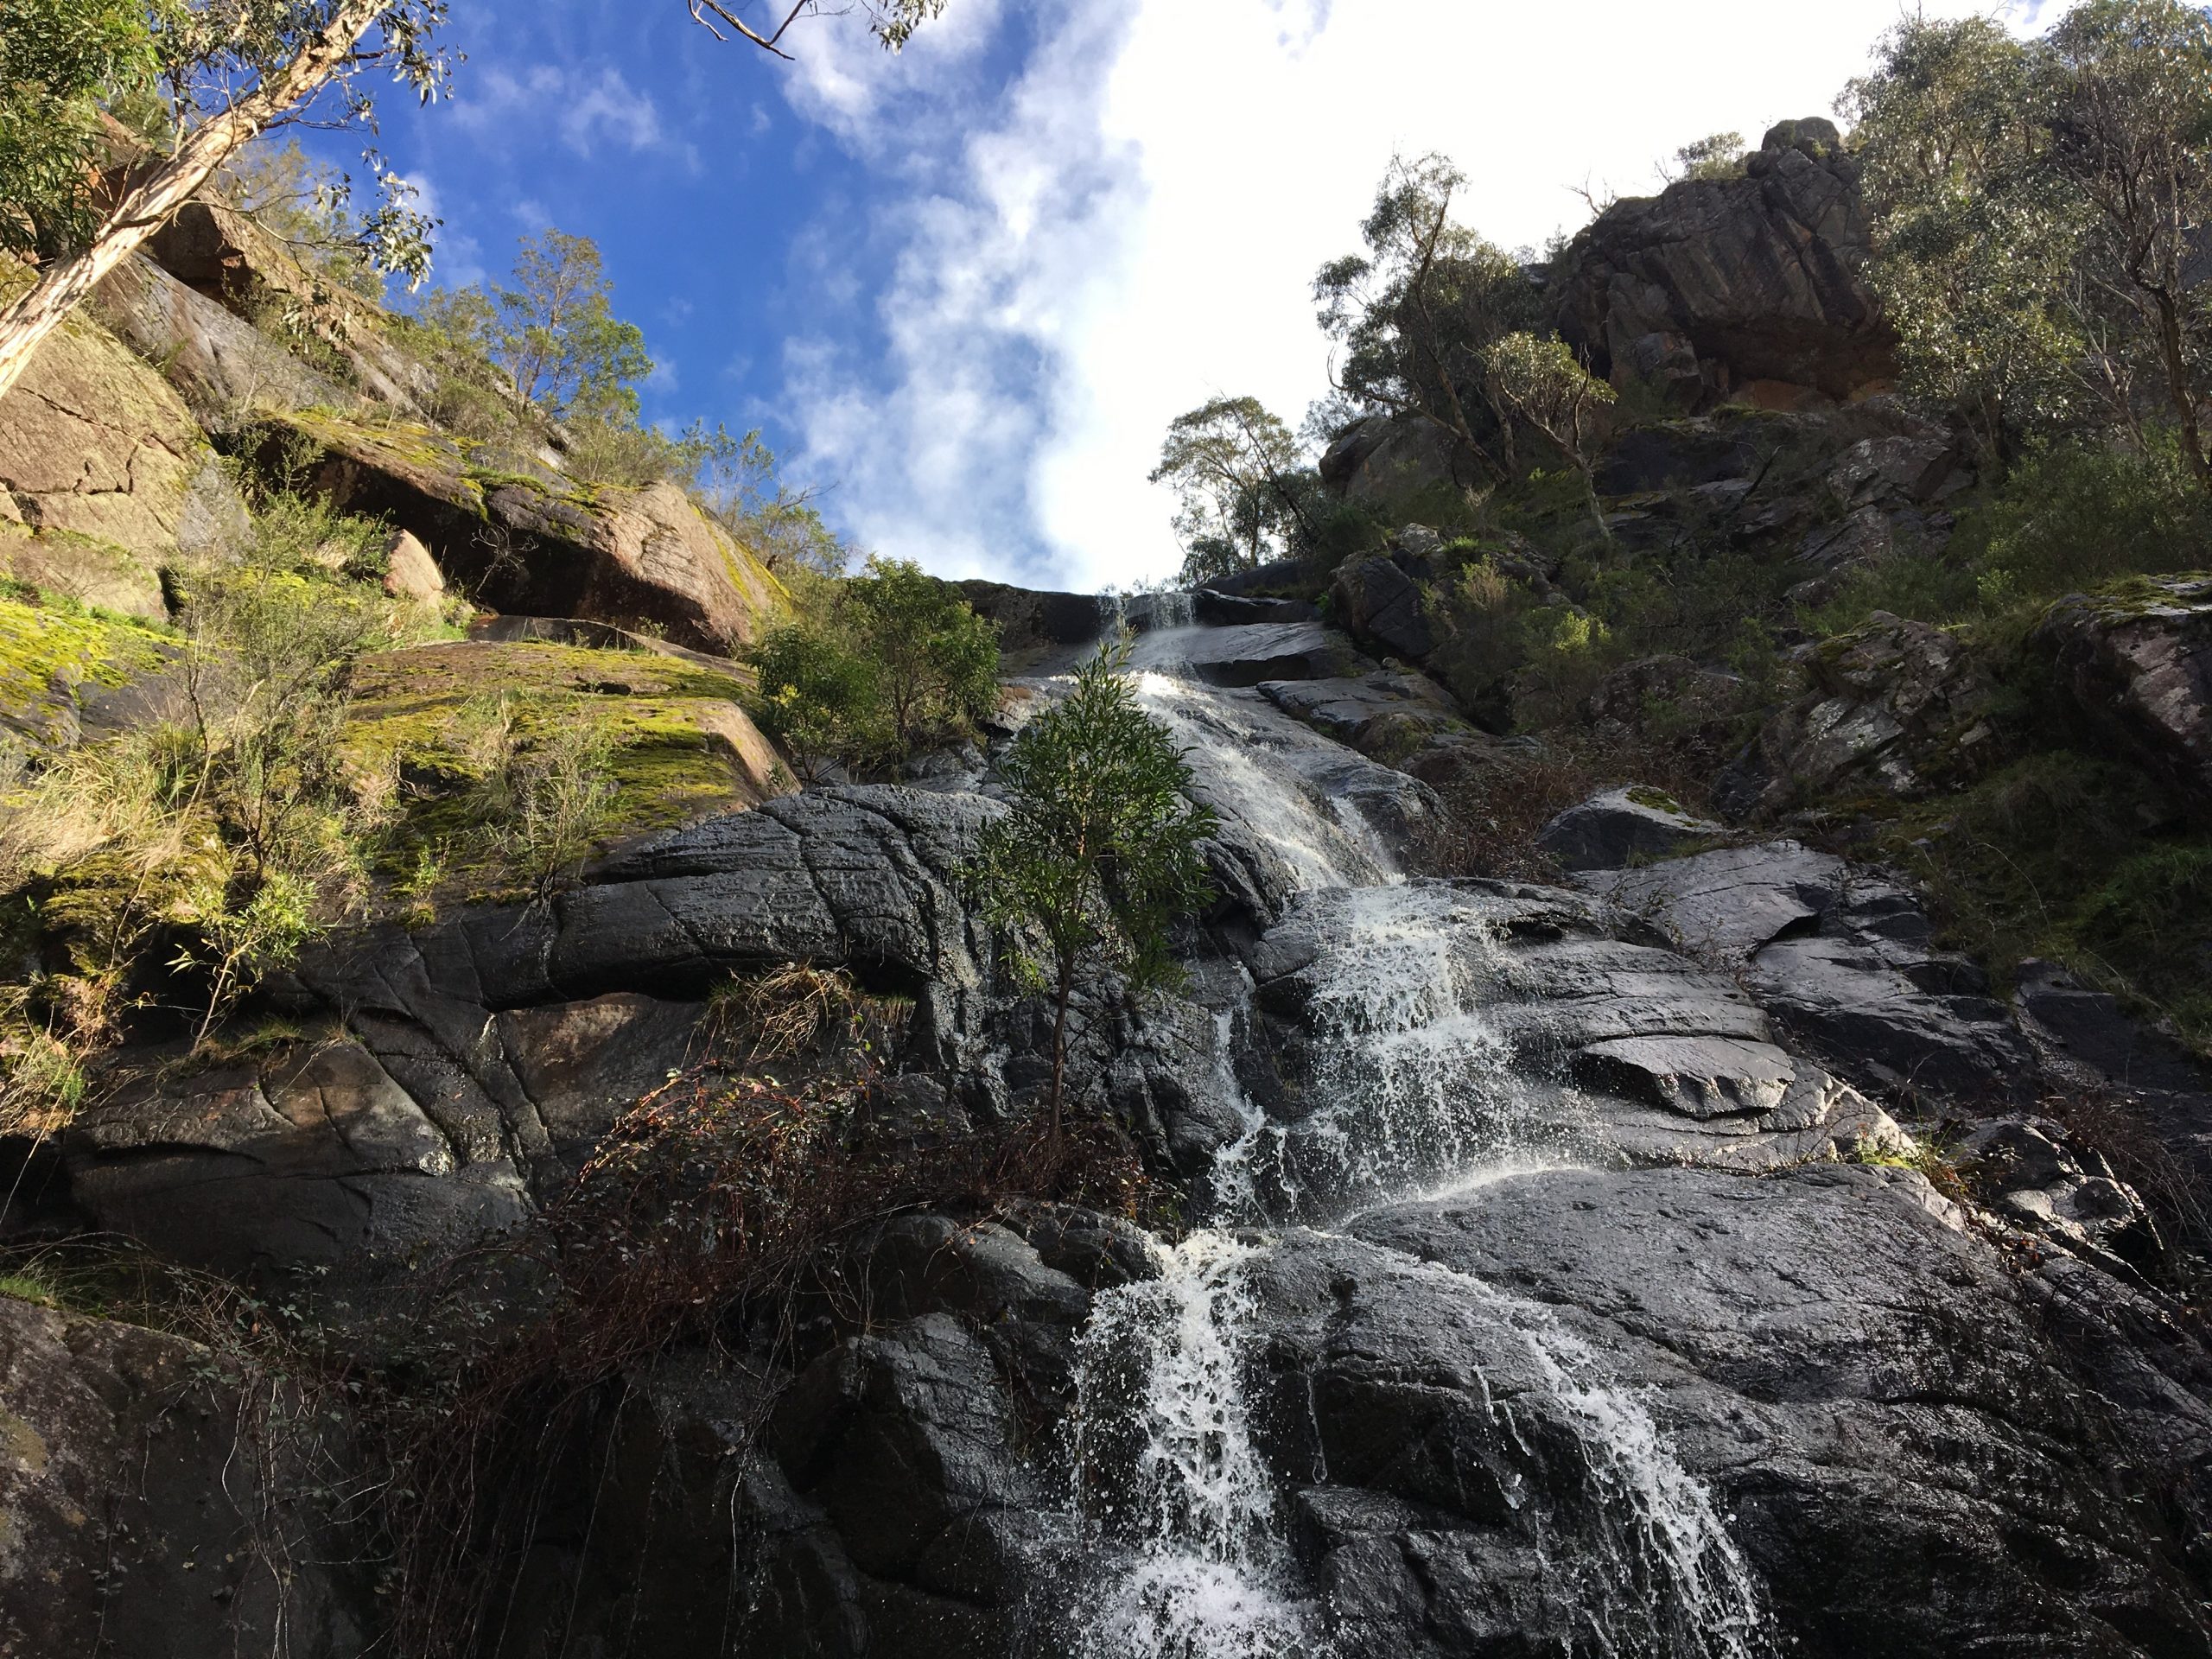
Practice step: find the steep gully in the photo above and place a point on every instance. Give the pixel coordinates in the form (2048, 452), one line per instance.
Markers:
(1421, 1096)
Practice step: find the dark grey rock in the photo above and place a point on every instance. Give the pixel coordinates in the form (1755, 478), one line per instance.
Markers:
(1843, 959)
(1245, 654)
(1750, 287)
(1386, 715)
(1217, 609)
(2134, 662)
(318, 1159)
(1900, 707)
(1612, 830)
(1382, 607)
(1888, 1432)
(157, 1507)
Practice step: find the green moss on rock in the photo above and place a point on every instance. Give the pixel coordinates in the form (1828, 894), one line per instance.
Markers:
(681, 747)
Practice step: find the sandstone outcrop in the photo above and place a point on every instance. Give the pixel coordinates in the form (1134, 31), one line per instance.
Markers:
(100, 458)
(516, 535)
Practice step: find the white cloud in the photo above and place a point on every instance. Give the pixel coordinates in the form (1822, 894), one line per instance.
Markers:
(588, 109)
(1131, 226)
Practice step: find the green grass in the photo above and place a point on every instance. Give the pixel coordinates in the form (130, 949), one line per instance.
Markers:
(412, 708)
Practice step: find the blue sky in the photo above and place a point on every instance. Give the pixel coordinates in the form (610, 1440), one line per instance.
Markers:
(965, 289)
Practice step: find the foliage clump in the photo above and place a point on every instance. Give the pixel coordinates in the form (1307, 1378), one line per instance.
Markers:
(1101, 849)
(873, 667)
(201, 847)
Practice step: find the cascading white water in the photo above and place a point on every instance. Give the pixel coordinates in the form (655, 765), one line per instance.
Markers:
(1167, 1468)
(1411, 1080)
(1248, 774)
(1414, 1087)
(1662, 1578)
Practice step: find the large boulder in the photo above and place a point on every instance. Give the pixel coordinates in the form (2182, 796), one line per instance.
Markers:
(1900, 709)
(1748, 288)
(223, 366)
(1382, 607)
(1387, 715)
(103, 473)
(1399, 468)
(163, 1501)
(517, 535)
(2137, 660)
(1620, 826)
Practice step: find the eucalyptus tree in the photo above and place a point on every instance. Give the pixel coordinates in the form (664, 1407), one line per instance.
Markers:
(1100, 847)
(1539, 381)
(1239, 483)
(217, 73)
(1412, 315)
(2040, 212)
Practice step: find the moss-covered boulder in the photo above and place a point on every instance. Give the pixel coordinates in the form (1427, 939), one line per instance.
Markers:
(516, 535)
(2136, 657)
(69, 670)
(679, 746)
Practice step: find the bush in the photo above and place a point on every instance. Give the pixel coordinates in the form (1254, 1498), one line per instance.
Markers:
(213, 842)
(707, 1212)
(2078, 859)
(543, 797)
(874, 666)
(2071, 516)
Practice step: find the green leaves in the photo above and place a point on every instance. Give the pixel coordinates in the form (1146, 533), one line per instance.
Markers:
(60, 60)
(1239, 479)
(2039, 209)
(873, 666)
(1100, 850)
(1411, 316)
(555, 331)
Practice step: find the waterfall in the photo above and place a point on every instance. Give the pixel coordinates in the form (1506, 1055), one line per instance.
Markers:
(1411, 1088)
(1166, 1470)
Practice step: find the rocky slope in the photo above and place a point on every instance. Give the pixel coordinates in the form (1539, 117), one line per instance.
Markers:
(1686, 1255)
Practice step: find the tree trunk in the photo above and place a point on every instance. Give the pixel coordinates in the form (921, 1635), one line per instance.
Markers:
(146, 206)
(1061, 1040)
(2176, 362)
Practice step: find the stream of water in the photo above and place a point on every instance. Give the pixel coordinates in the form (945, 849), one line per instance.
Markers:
(1418, 1096)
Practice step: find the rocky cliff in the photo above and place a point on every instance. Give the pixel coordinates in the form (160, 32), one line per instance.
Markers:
(1698, 1250)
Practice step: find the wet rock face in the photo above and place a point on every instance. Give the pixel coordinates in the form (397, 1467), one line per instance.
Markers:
(1748, 286)
(1443, 1026)
(1882, 1423)
(1844, 961)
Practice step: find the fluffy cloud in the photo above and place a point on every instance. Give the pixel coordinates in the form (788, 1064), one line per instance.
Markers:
(1128, 223)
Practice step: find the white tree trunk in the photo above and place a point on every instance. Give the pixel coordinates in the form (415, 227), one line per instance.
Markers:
(146, 206)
